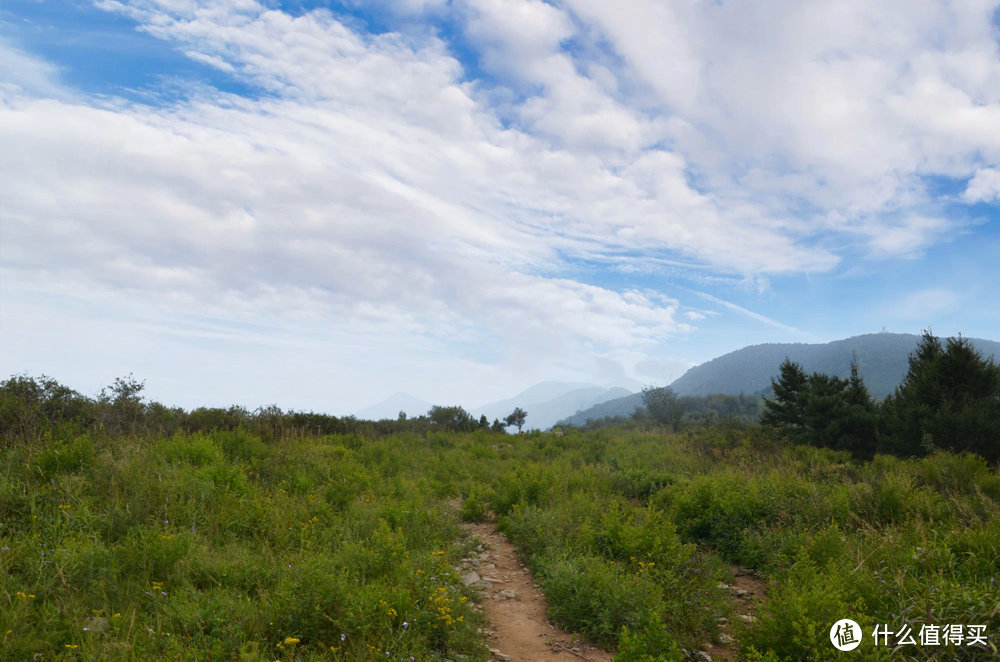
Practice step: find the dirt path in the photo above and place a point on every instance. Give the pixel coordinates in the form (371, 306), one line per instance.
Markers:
(521, 632)
(748, 592)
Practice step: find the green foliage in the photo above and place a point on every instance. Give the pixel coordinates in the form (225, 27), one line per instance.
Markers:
(822, 410)
(452, 418)
(663, 405)
(516, 418)
(286, 535)
(950, 399)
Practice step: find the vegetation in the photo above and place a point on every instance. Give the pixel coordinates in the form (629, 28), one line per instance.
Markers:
(663, 405)
(130, 530)
(516, 418)
(949, 398)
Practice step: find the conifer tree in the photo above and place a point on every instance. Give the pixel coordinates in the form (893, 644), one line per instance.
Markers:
(949, 399)
(787, 409)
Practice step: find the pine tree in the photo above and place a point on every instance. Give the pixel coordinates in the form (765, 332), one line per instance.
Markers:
(859, 429)
(787, 410)
(949, 399)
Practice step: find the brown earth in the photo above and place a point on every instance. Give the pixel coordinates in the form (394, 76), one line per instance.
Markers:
(520, 629)
(748, 592)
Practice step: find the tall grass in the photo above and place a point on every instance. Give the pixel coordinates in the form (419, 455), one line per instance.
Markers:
(240, 544)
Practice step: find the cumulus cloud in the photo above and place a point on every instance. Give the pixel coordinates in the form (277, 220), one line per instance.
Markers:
(370, 180)
(984, 186)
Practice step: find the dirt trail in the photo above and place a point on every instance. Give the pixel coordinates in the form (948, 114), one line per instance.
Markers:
(748, 592)
(521, 632)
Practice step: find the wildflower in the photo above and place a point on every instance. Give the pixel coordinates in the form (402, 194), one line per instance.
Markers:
(343, 636)
(405, 625)
(5, 548)
(72, 646)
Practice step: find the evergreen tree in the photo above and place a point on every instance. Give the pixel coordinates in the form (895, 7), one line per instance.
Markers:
(859, 429)
(949, 399)
(787, 409)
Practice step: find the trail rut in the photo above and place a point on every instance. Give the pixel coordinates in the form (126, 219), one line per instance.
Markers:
(520, 630)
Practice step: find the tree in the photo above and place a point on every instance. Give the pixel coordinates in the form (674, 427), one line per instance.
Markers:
(516, 417)
(663, 405)
(949, 399)
(787, 409)
(451, 418)
(861, 415)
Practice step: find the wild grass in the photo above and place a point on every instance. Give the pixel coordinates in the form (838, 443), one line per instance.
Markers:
(236, 544)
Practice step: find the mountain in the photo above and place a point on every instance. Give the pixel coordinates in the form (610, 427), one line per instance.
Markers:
(548, 402)
(882, 359)
(391, 406)
(623, 406)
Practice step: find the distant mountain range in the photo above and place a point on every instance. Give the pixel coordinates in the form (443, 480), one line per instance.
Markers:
(549, 402)
(882, 359)
(545, 403)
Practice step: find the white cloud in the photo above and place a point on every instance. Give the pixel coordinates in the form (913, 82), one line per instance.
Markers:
(984, 186)
(372, 185)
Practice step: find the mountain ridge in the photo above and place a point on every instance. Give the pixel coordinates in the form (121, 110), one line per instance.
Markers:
(883, 359)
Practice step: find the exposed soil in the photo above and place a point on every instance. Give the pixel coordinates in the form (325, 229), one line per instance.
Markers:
(520, 630)
(748, 592)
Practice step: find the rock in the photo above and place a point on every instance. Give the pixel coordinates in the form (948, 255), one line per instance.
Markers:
(726, 639)
(702, 656)
(498, 655)
(471, 578)
(507, 594)
(722, 620)
(747, 618)
(740, 592)
(724, 587)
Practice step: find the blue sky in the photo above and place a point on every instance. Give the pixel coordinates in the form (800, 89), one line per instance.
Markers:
(317, 204)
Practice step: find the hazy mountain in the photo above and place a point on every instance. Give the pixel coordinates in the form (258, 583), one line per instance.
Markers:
(549, 402)
(391, 406)
(882, 358)
(623, 406)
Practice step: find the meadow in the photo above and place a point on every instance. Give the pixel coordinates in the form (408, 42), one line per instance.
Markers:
(256, 543)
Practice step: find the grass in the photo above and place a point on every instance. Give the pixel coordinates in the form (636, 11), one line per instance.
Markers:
(237, 545)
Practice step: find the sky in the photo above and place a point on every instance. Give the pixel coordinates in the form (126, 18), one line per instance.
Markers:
(318, 204)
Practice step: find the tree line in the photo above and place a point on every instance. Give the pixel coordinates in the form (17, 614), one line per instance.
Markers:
(39, 407)
(948, 400)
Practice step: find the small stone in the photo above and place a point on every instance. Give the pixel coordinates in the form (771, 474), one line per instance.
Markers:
(722, 620)
(740, 592)
(507, 594)
(702, 656)
(726, 639)
(724, 587)
(498, 655)
(471, 578)
(747, 618)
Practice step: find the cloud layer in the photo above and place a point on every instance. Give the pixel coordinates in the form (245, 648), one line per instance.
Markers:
(387, 184)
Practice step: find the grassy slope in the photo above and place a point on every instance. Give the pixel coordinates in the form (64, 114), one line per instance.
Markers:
(219, 546)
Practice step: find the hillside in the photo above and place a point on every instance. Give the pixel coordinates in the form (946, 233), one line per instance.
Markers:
(883, 358)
